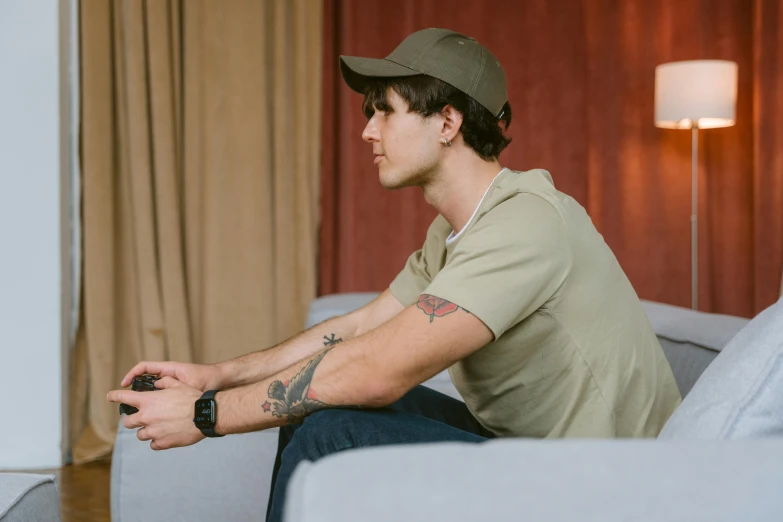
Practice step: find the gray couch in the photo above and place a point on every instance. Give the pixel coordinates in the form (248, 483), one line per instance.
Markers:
(27, 497)
(709, 462)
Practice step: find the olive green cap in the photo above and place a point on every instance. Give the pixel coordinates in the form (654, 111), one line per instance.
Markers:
(456, 59)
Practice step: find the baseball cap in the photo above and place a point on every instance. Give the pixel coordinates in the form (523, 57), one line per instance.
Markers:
(451, 57)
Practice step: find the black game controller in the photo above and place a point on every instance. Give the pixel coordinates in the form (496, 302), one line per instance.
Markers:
(140, 384)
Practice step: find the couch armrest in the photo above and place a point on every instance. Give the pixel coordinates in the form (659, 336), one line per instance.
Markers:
(544, 480)
(28, 496)
(226, 478)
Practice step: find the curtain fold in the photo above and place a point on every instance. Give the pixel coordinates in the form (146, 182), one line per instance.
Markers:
(200, 161)
(581, 85)
(768, 142)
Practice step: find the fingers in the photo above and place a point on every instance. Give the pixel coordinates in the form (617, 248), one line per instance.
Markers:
(132, 421)
(128, 397)
(163, 443)
(167, 382)
(143, 434)
(154, 368)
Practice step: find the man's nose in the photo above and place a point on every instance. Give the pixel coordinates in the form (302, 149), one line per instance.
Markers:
(370, 132)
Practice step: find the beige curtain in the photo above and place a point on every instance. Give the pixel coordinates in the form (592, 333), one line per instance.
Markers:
(200, 161)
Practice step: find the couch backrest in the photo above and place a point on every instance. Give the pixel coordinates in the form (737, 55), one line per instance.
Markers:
(690, 339)
(687, 360)
(740, 395)
(329, 306)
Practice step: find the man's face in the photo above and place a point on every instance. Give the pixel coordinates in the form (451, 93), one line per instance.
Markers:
(405, 145)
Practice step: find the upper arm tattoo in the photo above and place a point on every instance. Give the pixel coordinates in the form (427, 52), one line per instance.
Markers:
(436, 307)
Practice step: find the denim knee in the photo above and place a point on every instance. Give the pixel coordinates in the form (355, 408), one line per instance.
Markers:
(322, 433)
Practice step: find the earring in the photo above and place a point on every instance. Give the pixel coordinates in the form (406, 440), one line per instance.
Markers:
(446, 142)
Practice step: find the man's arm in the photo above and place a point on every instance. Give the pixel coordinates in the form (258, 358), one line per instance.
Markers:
(371, 370)
(256, 366)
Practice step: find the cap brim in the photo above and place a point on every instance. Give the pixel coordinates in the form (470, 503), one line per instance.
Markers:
(358, 71)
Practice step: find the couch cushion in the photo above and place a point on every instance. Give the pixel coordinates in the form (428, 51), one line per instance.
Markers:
(27, 496)
(690, 339)
(741, 393)
(544, 480)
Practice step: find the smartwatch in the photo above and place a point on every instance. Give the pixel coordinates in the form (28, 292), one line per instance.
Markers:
(205, 414)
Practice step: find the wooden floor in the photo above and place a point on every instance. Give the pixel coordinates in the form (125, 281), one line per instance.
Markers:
(84, 491)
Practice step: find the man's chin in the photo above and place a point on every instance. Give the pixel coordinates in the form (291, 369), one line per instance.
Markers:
(389, 181)
(390, 185)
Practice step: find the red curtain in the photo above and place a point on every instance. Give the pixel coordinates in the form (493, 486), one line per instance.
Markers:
(581, 85)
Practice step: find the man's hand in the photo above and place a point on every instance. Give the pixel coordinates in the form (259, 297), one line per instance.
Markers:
(165, 416)
(200, 376)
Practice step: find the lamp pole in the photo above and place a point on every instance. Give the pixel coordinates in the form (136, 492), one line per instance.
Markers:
(695, 216)
(695, 94)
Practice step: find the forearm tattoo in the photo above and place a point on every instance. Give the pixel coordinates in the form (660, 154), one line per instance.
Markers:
(332, 341)
(436, 307)
(295, 399)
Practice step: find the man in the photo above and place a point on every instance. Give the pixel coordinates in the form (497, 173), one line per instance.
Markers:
(514, 291)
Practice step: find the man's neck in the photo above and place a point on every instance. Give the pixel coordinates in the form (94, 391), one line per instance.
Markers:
(459, 186)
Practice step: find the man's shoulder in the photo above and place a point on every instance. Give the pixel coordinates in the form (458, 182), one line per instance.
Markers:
(537, 182)
(529, 194)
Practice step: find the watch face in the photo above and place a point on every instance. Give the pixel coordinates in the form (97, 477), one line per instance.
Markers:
(204, 415)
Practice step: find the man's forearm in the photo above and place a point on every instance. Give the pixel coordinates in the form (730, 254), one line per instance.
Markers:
(333, 377)
(256, 366)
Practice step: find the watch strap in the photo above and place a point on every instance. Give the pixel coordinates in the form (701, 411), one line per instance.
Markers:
(210, 432)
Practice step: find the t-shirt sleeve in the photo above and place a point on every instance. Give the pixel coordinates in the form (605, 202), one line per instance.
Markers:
(422, 265)
(512, 262)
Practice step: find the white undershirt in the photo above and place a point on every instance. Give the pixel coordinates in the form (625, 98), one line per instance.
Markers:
(452, 237)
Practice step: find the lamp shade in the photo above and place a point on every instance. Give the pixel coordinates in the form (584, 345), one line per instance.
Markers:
(699, 93)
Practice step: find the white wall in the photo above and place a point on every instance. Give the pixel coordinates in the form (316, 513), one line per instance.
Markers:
(34, 280)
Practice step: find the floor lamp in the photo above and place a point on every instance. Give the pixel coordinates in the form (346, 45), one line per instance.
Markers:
(695, 94)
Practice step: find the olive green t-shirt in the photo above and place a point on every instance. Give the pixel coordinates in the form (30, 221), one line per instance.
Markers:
(573, 354)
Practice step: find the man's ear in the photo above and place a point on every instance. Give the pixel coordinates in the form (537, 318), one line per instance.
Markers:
(452, 122)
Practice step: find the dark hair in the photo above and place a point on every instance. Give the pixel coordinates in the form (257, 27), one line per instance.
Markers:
(427, 96)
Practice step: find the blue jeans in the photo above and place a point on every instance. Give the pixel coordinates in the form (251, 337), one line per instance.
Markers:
(422, 415)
